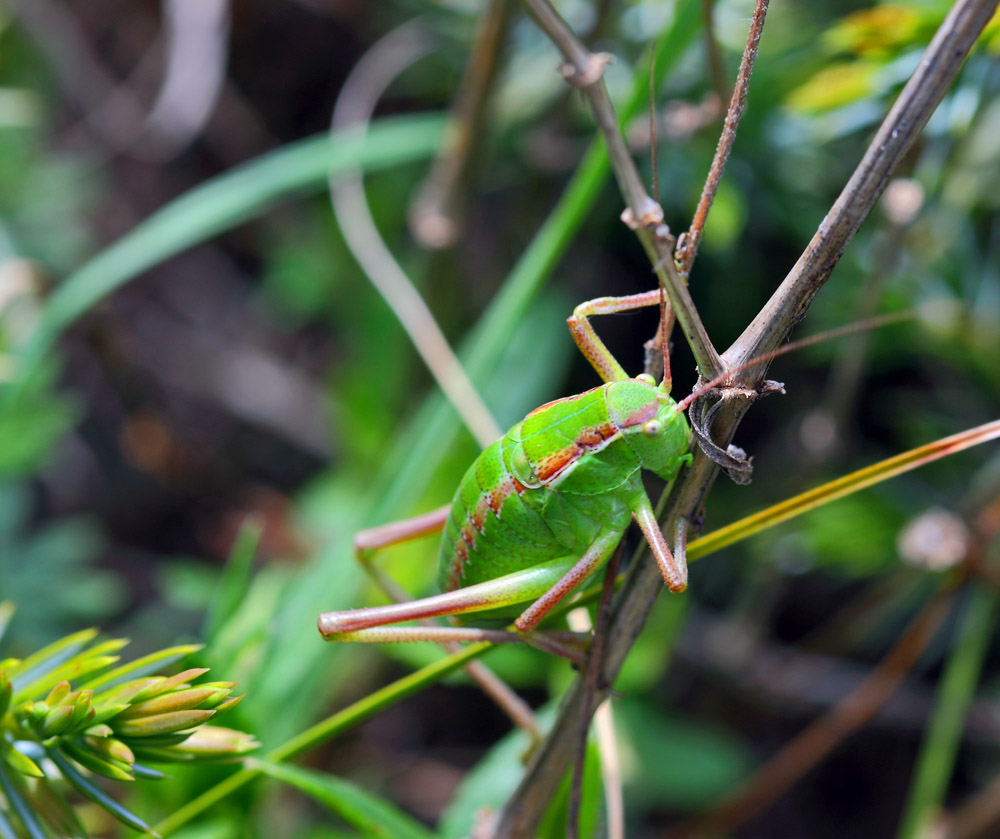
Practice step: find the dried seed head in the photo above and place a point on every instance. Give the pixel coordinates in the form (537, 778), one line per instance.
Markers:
(935, 540)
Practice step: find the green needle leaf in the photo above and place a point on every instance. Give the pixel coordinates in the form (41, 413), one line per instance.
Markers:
(148, 773)
(369, 813)
(223, 203)
(20, 805)
(96, 794)
(161, 723)
(20, 762)
(95, 763)
(72, 669)
(180, 700)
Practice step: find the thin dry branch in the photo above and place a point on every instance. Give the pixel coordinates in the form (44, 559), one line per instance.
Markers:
(716, 69)
(585, 70)
(687, 245)
(938, 68)
(436, 215)
(977, 818)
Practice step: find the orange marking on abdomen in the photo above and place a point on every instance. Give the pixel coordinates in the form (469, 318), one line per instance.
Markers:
(477, 517)
(476, 521)
(468, 534)
(458, 564)
(495, 497)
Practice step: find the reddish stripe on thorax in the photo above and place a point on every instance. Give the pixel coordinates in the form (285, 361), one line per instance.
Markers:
(589, 439)
(642, 415)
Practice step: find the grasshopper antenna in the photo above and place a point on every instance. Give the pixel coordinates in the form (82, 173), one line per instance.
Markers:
(734, 460)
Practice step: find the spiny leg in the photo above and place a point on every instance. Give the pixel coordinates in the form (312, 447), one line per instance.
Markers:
(591, 686)
(374, 625)
(368, 542)
(571, 648)
(592, 346)
(597, 554)
(674, 570)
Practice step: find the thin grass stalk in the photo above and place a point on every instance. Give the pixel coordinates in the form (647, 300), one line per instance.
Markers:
(936, 761)
(322, 731)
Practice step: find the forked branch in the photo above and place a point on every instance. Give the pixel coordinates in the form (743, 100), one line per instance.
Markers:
(938, 68)
(585, 70)
(687, 245)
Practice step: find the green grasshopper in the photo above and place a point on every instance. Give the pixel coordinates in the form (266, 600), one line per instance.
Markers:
(545, 506)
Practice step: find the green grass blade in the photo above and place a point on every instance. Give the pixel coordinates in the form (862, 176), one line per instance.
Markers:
(944, 733)
(224, 202)
(370, 814)
(848, 484)
(87, 788)
(333, 725)
(235, 582)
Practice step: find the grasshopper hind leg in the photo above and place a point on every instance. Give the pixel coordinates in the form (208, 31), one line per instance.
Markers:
(367, 543)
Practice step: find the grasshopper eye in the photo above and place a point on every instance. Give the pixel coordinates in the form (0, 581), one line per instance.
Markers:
(653, 428)
(646, 378)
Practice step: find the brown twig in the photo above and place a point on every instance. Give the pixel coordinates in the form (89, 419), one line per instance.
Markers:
(825, 734)
(592, 685)
(687, 245)
(436, 214)
(977, 818)
(938, 68)
(585, 70)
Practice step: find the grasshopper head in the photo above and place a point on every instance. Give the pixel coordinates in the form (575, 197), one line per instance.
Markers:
(651, 424)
